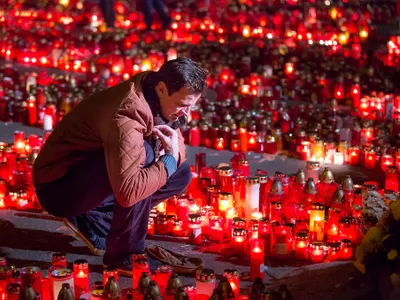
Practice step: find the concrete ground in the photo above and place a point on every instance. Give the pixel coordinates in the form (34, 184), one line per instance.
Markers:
(28, 238)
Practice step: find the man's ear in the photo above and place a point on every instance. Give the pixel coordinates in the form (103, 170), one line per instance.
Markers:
(161, 88)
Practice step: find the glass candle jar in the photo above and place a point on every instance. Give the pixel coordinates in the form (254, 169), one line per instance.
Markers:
(226, 179)
(239, 241)
(195, 230)
(334, 251)
(177, 229)
(276, 212)
(162, 225)
(233, 278)
(183, 212)
(33, 276)
(332, 225)
(347, 229)
(81, 277)
(244, 167)
(347, 250)
(59, 277)
(317, 219)
(317, 252)
(225, 201)
(139, 266)
(283, 241)
(301, 246)
(206, 212)
(252, 196)
(163, 273)
(257, 259)
(205, 282)
(108, 272)
(370, 160)
(265, 233)
(216, 232)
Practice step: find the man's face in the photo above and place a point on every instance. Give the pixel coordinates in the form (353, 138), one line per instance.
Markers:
(177, 104)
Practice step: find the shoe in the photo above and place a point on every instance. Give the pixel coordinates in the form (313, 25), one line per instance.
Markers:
(95, 243)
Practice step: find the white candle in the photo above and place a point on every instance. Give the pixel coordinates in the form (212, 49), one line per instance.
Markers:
(60, 277)
(47, 122)
(252, 197)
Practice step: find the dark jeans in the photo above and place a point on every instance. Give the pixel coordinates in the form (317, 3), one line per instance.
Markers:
(86, 190)
(108, 11)
(147, 8)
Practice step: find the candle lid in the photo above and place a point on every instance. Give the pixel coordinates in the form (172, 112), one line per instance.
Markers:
(213, 189)
(392, 169)
(112, 269)
(310, 187)
(236, 221)
(231, 272)
(347, 184)
(144, 282)
(300, 177)
(327, 176)
(276, 187)
(174, 282)
(205, 275)
(59, 256)
(302, 235)
(82, 263)
(347, 243)
(111, 289)
(61, 273)
(225, 196)
(252, 180)
(215, 218)
(346, 220)
(338, 196)
(243, 162)
(317, 206)
(181, 294)
(277, 205)
(152, 291)
(177, 222)
(195, 218)
(13, 289)
(140, 262)
(317, 245)
(225, 171)
(335, 246)
(264, 220)
(312, 165)
(28, 293)
(263, 178)
(239, 232)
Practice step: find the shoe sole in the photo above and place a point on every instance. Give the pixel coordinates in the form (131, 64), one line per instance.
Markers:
(93, 249)
(122, 272)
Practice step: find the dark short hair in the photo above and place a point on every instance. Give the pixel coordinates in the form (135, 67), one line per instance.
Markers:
(182, 72)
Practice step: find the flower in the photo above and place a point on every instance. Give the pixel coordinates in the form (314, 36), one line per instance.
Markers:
(395, 208)
(392, 254)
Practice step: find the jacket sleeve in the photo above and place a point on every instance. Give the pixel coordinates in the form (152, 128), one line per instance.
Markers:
(125, 156)
(182, 147)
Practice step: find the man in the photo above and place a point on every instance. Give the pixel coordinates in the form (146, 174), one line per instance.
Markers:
(116, 155)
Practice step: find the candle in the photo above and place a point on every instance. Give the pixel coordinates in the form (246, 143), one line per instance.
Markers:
(334, 251)
(305, 150)
(235, 145)
(33, 276)
(226, 179)
(81, 277)
(347, 250)
(239, 241)
(347, 229)
(233, 278)
(200, 162)
(256, 259)
(317, 252)
(367, 135)
(244, 167)
(4, 280)
(19, 141)
(355, 95)
(289, 69)
(318, 151)
(283, 241)
(31, 110)
(392, 181)
(370, 159)
(161, 207)
(216, 232)
(219, 143)
(183, 212)
(252, 196)
(301, 246)
(150, 227)
(12, 292)
(230, 214)
(312, 170)
(317, 217)
(243, 139)
(386, 161)
(177, 229)
(265, 233)
(354, 155)
(108, 272)
(276, 212)
(139, 266)
(225, 202)
(205, 282)
(60, 277)
(195, 230)
(163, 273)
(162, 225)
(332, 224)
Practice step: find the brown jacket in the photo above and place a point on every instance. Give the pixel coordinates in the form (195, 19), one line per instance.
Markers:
(118, 120)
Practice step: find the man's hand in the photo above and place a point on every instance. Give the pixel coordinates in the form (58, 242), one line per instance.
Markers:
(168, 138)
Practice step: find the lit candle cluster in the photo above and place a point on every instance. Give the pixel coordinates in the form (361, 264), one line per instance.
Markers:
(65, 284)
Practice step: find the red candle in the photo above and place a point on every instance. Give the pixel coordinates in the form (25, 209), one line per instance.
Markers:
(216, 229)
(139, 266)
(183, 212)
(239, 241)
(33, 276)
(392, 181)
(386, 161)
(305, 150)
(243, 139)
(233, 279)
(244, 167)
(283, 241)
(12, 292)
(235, 145)
(4, 281)
(163, 274)
(81, 277)
(194, 136)
(256, 259)
(190, 291)
(301, 246)
(334, 251)
(150, 228)
(367, 134)
(265, 233)
(219, 143)
(162, 225)
(177, 229)
(332, 225)
(31, 110)
(347, 250)
(195, 230)
(370, 159)
(354, 155)
(19, 141)
(108, 272)
(355, 95)
(226, 179)
(317, 252)
(347, 229)
(276, 212)
(289, 69)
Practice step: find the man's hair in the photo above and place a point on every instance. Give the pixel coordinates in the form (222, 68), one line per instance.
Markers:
(182, 72)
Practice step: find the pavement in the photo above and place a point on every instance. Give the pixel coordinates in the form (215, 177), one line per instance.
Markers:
(28, 238)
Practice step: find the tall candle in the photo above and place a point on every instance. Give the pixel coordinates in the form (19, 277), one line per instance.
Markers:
(195, 230)
(317, 217)
(226, 179)
(239, 241)
(216, 232)
(256, 259)
(252, 196)
(139, 266)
